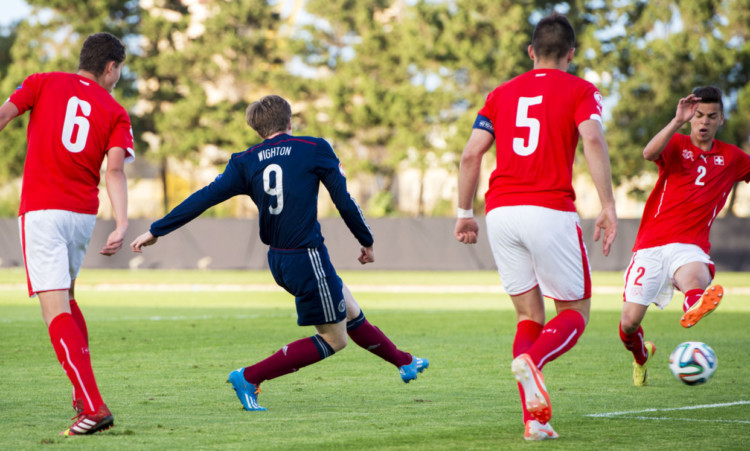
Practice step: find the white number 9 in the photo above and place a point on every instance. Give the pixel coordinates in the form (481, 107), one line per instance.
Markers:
(277, 191)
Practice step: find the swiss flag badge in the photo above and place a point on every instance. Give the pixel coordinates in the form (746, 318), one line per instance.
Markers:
(719, 160)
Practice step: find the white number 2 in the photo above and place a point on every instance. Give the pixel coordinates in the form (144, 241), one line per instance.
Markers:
(701, 173)
(523, 120)
(71, 120)
(277, 191)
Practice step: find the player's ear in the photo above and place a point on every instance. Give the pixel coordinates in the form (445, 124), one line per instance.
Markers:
(531, 52)
(571, 52)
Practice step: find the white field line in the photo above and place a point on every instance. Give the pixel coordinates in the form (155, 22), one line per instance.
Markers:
(633, 414)
(369, 288)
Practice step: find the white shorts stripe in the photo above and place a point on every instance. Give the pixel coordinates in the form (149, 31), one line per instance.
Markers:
(325, 294)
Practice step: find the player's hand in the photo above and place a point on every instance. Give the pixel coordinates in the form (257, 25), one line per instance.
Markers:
(146, 239)
(114, 242)
(367, 255)
(686, 108)
(466, 230)
(607, 221)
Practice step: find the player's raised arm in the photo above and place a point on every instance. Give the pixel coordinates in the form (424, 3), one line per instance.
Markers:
(479, 143)
(596, 153)
(686, 108)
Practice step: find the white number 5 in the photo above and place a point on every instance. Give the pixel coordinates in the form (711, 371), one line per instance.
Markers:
(523, 120)
(277, 191)
(71, 120)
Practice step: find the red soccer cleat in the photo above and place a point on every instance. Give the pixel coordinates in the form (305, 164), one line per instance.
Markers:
(88, 424)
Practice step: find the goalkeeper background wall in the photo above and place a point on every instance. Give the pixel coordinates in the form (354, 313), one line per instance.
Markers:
(400, 243)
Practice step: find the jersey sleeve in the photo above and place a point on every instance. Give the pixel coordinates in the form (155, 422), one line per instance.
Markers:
(228, 184)
(122, 136)
(334, 180)
(25, 95)
(589, 105)
(667, 155)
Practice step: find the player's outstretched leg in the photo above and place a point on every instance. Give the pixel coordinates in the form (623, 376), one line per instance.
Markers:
(536, 431)
(301, 353)
(707, 304)
(246, 392)
(640, 372)
(371, 338)
(531, 379)
(87, 423)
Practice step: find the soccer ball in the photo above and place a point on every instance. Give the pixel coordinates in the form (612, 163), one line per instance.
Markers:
(693, 362)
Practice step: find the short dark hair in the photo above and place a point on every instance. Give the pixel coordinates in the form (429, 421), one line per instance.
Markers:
(553, 37)
(709, 94)
(98, 50)
(269, 115)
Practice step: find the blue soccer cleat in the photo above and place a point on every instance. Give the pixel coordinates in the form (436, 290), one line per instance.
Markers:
(409, 372)
(247, 392)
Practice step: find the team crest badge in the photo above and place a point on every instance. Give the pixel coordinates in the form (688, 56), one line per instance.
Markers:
(719, 160)
(688, 155)
(342, 306)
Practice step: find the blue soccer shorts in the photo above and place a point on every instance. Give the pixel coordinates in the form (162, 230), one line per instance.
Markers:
(309, 275)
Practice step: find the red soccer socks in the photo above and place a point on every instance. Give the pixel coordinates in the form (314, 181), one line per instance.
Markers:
(558, 336)
(288, 359)
(374, 340)
(635, 344)
(73, 353)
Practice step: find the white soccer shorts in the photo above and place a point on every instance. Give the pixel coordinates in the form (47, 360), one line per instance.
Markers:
(540, 246)
(650, 274)
(54, 243)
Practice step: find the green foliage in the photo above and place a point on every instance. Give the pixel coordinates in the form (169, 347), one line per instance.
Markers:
(380, 79)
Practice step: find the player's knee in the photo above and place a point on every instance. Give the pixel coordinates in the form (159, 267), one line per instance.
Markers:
(337, 341)
(629, 324)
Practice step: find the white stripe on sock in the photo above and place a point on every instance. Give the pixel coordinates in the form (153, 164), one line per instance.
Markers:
(78, 375)
(556, 350)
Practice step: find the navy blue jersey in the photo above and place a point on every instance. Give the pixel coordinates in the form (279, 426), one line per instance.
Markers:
(282, 175)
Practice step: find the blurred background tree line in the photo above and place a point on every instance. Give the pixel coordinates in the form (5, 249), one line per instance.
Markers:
(392, 84)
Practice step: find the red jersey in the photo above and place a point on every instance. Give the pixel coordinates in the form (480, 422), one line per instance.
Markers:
(535, 117)
(692, 188)
(74, 122)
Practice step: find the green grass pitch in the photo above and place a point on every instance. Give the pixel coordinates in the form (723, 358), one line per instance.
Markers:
(163, 343)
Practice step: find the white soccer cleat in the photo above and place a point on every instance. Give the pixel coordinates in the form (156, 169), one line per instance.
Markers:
(536, 431)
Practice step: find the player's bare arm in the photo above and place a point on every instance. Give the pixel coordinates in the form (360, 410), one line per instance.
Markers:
(596, 153)
(117, 189)
(7, 112)
(479, 143)
(686, 108)
(145, 239)
(367, 255)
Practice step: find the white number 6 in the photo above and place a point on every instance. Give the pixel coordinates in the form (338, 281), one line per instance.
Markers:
(71, 120)
(277, 191)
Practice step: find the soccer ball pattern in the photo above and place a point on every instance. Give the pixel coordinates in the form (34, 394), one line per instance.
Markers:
(693, 362)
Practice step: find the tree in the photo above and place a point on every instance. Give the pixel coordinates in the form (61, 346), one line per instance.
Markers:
(657, 52)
